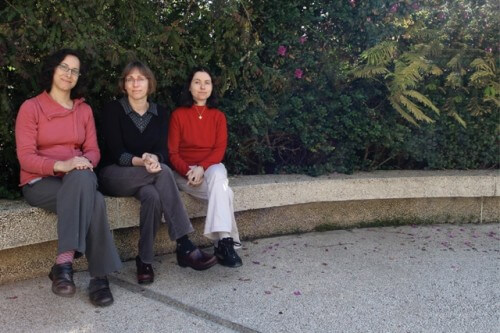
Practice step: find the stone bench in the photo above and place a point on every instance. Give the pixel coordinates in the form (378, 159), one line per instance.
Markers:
(274, 204)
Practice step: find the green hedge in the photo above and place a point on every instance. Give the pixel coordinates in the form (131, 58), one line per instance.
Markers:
(283, 69)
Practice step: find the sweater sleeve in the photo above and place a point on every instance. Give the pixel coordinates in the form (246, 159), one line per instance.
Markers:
(220, 145)
(174, 140)
(112, 132)
(26, 142)
(90, 147)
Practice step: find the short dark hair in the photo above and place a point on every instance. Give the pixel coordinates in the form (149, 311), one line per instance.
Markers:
(144, 69)
(49, 66)
(186, 98)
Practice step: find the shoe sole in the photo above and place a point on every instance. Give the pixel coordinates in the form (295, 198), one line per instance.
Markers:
(236, 265)
(145, 282)
(103, 304)
(184, 265)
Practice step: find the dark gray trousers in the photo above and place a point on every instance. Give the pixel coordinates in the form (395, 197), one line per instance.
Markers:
(82, 223)
(158, 194)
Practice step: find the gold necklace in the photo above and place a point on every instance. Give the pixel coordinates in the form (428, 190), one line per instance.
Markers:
(200, 114)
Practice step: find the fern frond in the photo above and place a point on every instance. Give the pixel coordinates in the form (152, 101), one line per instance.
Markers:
(381, 54)
(422, 99)
(459, 119)
(414, 109)
(370, 72)
(402, 112)
(455, 63)
(454, 80)
(480, 65)
(479, 76)
(473, 107)
(492, 99)
(435, 70)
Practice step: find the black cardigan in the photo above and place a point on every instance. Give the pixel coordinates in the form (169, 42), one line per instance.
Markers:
(120, 135)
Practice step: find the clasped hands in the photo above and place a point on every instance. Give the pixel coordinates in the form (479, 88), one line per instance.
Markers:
(151, 163)
(77, 162)
(195, 175)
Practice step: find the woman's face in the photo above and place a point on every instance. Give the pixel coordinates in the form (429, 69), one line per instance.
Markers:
(66, 74)
(136, 85)
(201, 87)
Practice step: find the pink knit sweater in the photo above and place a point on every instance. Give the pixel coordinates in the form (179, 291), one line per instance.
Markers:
(46, 132)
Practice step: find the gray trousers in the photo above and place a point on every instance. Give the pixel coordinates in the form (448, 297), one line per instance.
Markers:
(82, 223)
(158, 195)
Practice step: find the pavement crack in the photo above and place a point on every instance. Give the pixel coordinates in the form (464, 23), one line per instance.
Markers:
(177, 305)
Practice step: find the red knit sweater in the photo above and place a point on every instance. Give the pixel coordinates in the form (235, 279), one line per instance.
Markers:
(46, 132)
(194, 141)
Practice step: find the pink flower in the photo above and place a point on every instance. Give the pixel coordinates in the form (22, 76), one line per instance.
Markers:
(298, 73)
(394, 8)
(282, 50)
(303, 39)
(415, 6)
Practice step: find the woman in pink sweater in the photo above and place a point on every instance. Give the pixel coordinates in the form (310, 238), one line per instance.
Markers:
(57, 150)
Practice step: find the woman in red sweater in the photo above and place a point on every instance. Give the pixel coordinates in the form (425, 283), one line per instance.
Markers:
(197, 140)
(57, 149)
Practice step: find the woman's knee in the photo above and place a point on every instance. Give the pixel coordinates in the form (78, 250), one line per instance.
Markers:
(149, 195)
(216, 171)
(81, 177)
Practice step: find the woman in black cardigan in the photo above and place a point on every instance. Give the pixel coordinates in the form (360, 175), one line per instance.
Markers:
(133, 164)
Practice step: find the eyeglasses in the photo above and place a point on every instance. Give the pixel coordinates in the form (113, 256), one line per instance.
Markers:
(65, 68)
(139, 80)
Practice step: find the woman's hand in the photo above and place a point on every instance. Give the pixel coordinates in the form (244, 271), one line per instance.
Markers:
(151, 163)
(195, 175)
(77, 162)
(149, 158)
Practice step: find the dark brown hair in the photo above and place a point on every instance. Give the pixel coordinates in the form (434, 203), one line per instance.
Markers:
(144, 69)
(49, 66)
(186, 98)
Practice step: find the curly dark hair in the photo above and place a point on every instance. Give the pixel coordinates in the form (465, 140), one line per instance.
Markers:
(49, 66)
(186, 99)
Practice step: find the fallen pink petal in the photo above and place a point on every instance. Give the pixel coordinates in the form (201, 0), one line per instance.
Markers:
(267, 292)
(297, 293)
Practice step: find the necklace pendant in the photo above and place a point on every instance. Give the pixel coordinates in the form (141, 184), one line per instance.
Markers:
(200, 117)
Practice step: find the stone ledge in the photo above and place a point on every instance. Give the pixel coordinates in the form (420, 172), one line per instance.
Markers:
(22, 225)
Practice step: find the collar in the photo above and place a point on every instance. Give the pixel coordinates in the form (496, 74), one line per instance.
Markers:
(51, 108)
(128, 109)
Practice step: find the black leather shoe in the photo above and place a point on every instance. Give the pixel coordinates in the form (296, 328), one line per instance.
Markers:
(62, 279)
(99, 292)
(145, 273)
(226, 254)
(196, 259)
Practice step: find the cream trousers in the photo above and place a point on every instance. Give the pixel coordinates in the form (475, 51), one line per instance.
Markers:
(214, 189)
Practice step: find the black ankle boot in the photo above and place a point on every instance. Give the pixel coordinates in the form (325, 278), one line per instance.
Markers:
(226, 254)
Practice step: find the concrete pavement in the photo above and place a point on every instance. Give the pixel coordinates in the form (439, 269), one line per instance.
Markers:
(435, 278)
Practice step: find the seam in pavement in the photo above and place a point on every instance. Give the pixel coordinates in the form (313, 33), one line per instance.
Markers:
(169, 301)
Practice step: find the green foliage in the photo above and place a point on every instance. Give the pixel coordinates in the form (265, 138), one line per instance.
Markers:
(307, 87)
